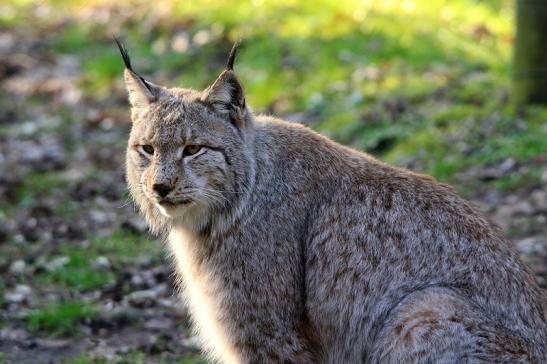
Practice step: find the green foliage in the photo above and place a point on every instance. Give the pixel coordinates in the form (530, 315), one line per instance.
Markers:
(85, 360)
(135, 357)
(60, 319)
(78, 272)
(528, 180)
(124, 247)
(36, 185)
(192, 359)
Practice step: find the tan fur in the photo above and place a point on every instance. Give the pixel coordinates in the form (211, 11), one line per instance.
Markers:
(291, 248)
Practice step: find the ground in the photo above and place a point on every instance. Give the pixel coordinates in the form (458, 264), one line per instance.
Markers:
(423, 85)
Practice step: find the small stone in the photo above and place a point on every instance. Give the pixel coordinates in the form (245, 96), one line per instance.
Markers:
(192, 342)
(158, 324)
(53, 344)
(169, 303)
(524, 208)
(137, 280)
(99, 217)
(23, 289)
(144, 298)
(57, 263)
(135, 224)
(124, 315)
(531, 246)
(13, 297)
(161, 289)
(17, 267)
(102, 264)
(11, 334)
(539, 199)
(143, 261)
(508, 166)
(19, 294)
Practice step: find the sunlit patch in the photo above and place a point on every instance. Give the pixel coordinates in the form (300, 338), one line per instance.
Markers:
(165, 211)
(174, 210)
(200, 291)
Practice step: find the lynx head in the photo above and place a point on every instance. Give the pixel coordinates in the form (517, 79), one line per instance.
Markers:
(190, 153)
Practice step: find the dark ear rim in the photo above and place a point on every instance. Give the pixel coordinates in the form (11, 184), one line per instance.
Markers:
(230, 79)
(226, 97)
(127, 63)
(125, 55)
(232, 56)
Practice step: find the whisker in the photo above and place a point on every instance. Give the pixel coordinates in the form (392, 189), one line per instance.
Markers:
(215, 198)
(124, 205)
(211, 190)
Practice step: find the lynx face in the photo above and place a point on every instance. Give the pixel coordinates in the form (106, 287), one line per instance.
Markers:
(187, 155)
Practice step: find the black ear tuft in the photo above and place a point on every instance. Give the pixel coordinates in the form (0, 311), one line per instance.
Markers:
(124, 54)
(232, 56)
(127, 62)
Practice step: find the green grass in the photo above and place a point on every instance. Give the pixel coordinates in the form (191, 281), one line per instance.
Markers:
(346, 63)
(136, 357)
(192, 359)
(528, 179)
(60, 319)
(85, 360)
(78, 273)
(37, 185)
(451, 145)
(124, 247)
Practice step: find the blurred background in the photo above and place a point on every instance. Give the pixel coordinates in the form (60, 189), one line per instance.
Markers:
(429, 85)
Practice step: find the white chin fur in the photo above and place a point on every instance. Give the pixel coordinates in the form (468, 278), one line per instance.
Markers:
(169, 212)
(191, 216)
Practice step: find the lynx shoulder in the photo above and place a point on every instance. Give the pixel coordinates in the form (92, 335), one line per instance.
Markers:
(292, 248)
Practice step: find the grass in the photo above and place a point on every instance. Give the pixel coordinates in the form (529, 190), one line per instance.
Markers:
(124, 247)
(85, 360)
(78, 273)
(346, 64)
(37, 185)
(526, 180)
(136, 357)
(60, 319)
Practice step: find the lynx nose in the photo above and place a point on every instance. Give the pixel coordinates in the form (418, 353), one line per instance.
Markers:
(161, 189)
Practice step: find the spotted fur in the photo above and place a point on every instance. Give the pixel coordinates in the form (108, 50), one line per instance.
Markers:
(291, 248)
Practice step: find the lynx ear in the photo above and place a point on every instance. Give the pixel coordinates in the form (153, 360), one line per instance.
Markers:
(226, 94)
(141, 92)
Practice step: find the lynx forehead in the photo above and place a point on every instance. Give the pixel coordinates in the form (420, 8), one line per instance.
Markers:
(291, 248)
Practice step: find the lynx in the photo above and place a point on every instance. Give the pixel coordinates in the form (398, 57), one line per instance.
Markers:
(291, 248)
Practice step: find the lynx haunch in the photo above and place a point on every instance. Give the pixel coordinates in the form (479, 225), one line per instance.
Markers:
(291, 248)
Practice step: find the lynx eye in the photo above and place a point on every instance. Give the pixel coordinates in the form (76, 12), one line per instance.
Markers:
(191, 150)
(148, 149)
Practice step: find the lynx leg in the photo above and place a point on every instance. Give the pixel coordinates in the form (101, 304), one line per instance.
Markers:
(437, 326)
